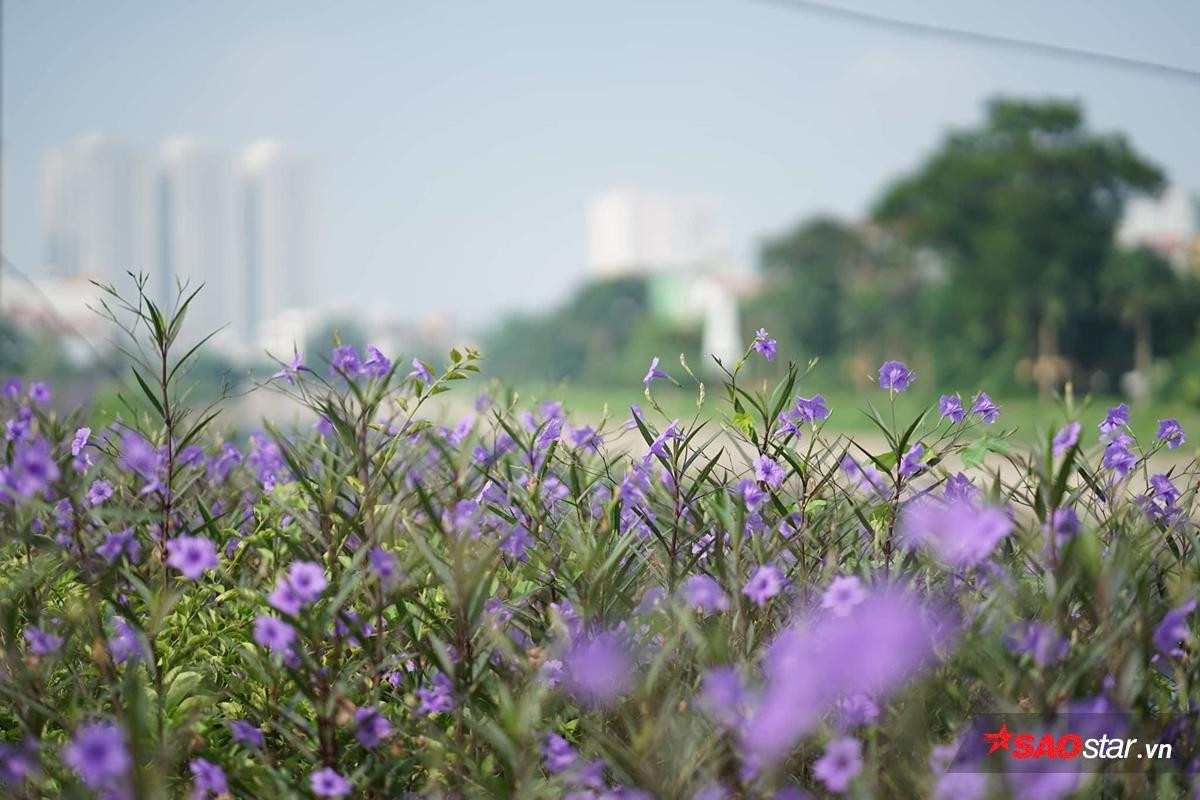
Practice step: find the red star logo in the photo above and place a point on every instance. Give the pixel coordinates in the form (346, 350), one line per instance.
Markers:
(998, 739)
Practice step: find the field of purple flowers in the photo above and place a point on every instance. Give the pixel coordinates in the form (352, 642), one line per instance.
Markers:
(735, 605)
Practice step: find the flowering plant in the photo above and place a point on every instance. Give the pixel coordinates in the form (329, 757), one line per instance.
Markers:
(519, 604)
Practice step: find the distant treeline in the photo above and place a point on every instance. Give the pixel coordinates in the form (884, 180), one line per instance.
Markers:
(995, 262)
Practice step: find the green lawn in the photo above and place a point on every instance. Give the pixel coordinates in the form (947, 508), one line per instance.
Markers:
(1028, 414)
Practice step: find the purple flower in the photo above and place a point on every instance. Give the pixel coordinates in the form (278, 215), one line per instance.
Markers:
(812, 410)
(1066, 438)
(420, 371)
(1040, 641)
(865, 477)
(12, 388)
(377, 364)
(768, 471)
(19, 763)
(384, 565)
(42, 643)
(723, 696)
(840, 763)
(911, 463)
(245, 733)
(371, 727)
(558, 754)
(654, 372)
(952, 408)
(327, 783)
(140, 457)
(551, 672)
(33, 468)
(80, 441)
(209, 779)
(117, 543)
(99, 491)
(124, 645)
(274, 634)
(843, 594)
(1173, 630)
(345, 362)
(764, 344)
(984, 408)
(307, 580)
(1117, 456)
(283, 598)
(440, 697)
(895, 376)
(99, 754)
(1169, 431)
(960, 533)
(858, 709)
(1063, 524)
(191, 555)
(598, 668)
(39, 393)
(1115, 419)
(883, 642)
(705, 593)
(764, 583)
(290, 371)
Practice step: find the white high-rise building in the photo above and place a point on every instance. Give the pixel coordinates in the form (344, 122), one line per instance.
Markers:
(277, 232)
(197, 229)
(98, 203)
(1168, 224)
(636, 231)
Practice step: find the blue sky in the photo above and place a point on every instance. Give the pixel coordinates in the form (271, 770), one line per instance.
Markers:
(459, 142)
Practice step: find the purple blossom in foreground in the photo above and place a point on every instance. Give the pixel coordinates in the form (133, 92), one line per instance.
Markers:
(654, 373)
(843, 594)
(440, 697)
(984, 408)
(1173, 631)
(558, 754)
(895, 376)
(385, 566)
(307, 580)
(950, 407)
(598, 669)
(191, 555)
(245, 733)
(420, 371)
(98, 753)
(18, 763)
(40, 393)
(1041, 642)
(33, 467)
(723, 696)
(840, 763)
(858, 709)
(274, 634)
(911, 463)
(882, 643)
(208, 779)
(962, 534)
(1115, 419)
(768, 471)
(1066, 438)
(371, 727)
(1169, 431)
(1117, 456)
(291, 370)
(764, 344)
(345, 362)
(80, 441)
(42, 643)
(98, 492)
(124, 645)
(812, 410)
(704, 593)
(328, 783)
(377, 364)
(765, 582)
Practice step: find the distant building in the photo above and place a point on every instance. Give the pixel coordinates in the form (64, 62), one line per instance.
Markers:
(633, 231)
(277, 232)
(1169, 225)
(245, 228)
(197, 231)
(97, 205)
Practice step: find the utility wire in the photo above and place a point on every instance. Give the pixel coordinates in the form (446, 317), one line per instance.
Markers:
(882, 21)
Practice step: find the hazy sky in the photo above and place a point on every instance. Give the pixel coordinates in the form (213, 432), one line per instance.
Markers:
(459, 142)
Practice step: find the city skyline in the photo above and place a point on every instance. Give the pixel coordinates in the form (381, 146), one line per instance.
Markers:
(458, 152)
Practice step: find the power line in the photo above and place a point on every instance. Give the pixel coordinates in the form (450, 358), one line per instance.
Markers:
(987, 39)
